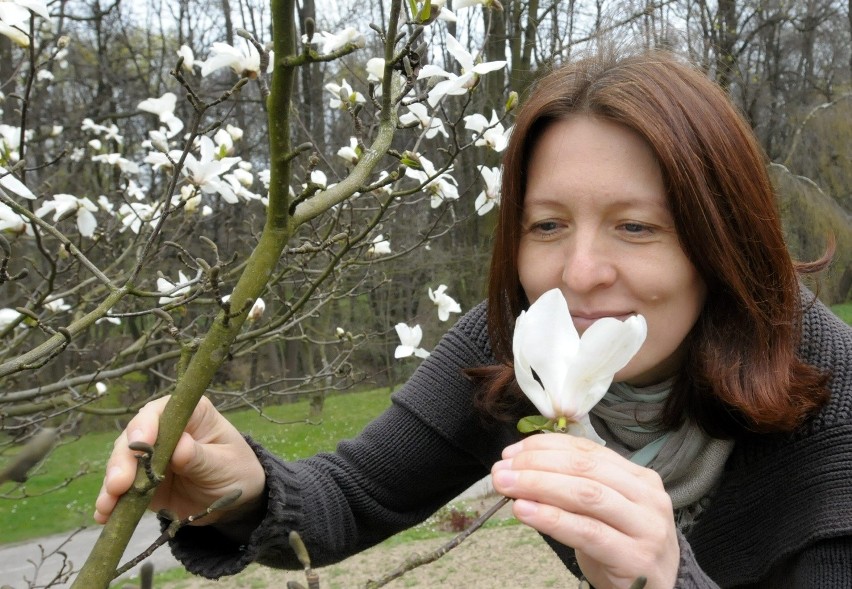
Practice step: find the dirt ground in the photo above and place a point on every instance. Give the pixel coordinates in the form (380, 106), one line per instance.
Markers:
(498, 557)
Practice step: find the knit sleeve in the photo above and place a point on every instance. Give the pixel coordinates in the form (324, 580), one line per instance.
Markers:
(414, 458)
(689, 574)
(824, 565)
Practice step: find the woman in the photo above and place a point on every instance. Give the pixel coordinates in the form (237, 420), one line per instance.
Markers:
(633, 186)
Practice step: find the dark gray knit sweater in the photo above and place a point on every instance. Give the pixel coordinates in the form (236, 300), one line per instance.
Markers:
(781, 517)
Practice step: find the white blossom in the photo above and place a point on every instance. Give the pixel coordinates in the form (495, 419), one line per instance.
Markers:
(490, 197)
(12, 184)
(12, 222)
(188, 58)
(351, 153)
(245, 62)
(375, 69)
(164, 108)
(446, 304)
(173, 291)
(418, 113)
(7, 317)
(409, 338)
(256, 311)
(343, 96)
(57, 305)
(81, 208)
(454, 84)
(333, 41)
(563, 374)
(489, 133)
(206, 171)
(379, 247)
(441, 187)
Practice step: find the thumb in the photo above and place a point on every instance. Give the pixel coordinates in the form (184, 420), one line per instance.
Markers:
(186, 459)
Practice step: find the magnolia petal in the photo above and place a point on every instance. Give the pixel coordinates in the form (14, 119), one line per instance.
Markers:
(9, 182)
(403, 351)
(605, 348)
(86, 222)
(488, 66)
(530, 386)
(583, 428)
(455, 48)
(550, 354)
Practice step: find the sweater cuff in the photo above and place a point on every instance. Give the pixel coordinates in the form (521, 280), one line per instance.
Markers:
(689, 574)
(207, 552)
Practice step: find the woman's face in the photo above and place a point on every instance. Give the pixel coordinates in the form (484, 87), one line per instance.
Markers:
(596, 224)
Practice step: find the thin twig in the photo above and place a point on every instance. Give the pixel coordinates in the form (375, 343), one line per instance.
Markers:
(418, 560)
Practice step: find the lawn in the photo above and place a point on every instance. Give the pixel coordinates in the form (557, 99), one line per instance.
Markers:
(60, 494)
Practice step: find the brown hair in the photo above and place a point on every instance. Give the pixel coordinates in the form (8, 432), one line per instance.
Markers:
(741, 371)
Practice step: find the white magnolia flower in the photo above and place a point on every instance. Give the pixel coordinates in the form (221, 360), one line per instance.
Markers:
(409, 338)
(418, 113)
(446, 304)
(12, 184)
(172, 290)
(489, 133)
(18, 37)
(133, 214)
(343, 96)
(10, 142)
(205, 172)
(101, 388)
(256, 311)
(12, 222)
(563, 374)
(15, 16)
(319, 178)
(375, 69)
(188, 58)
(116, 159)
(351, 152)
(379, 247)
(7, 317)
(235, 132)
(81, 208)
(244, 62)
(17, 12)
(441, 187)
(457, 84)
(164, 108)
(334, 41)
(490, 197)
(57, 305)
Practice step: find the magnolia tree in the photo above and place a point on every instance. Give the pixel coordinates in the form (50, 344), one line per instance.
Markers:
(140, 273)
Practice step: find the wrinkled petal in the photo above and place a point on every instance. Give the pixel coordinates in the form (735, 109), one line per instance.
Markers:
(548, 338)
(605, 348)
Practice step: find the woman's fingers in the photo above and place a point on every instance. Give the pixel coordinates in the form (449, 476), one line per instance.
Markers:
(617, 515)
(121, 465)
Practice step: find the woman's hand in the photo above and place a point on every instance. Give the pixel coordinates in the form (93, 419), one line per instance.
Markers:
(210, 460)
(615, 514)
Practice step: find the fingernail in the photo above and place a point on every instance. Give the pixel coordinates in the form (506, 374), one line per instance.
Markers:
(505, 478)
(502, 465)
(135, 436)
(523, 509)
(111, 473)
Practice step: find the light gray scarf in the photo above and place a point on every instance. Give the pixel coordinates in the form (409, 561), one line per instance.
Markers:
(688, 460)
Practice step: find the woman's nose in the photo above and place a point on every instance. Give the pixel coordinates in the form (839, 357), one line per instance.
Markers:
(588, 264)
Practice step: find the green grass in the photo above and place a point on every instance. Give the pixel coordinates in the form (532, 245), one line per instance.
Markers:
(844, 311)
(57, 498)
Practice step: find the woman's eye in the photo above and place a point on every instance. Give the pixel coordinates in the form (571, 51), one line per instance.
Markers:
(635, 228)
(545, 226)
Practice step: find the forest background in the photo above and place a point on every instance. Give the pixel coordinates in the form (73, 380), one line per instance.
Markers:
(138, 190)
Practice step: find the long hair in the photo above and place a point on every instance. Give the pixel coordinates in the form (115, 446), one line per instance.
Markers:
(741, 372)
